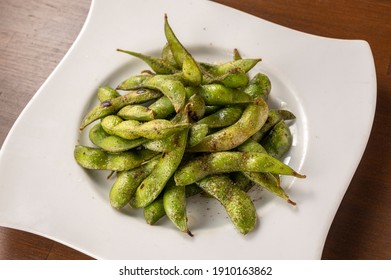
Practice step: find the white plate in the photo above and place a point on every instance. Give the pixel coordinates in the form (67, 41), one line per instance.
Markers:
(329, 84)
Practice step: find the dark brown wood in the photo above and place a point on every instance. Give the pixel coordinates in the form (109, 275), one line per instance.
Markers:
(35, 35)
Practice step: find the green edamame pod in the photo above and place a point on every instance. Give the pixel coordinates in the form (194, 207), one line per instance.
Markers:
(278, 141)
(232, 74)
(152, 186)
(196, 107)
(197, 133)
(160, 66)
(251, 146)
(112, 106)
(259, 85)
(131, 129)
(157, 145)
(154, 211)
(273, 118)
(162, 108)
(136, 112)
(169, 85)
(236, 202)
(160, 128)
(216, 94)
(235, 78)
(112, 143)
(251, 120)
(94, 158)
(268, 181)
(209, 109)
(223, 162)
(190, 67)
(244, 65)
(168, 57)
(174, 202)
(110, 126)
(127, 182)
(222, 118)
(107, 93)
(191, 71)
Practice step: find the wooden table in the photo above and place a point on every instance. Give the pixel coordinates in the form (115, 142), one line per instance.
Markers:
(35, 35)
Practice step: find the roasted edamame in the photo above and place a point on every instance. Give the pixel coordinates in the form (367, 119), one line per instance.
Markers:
(186, 127)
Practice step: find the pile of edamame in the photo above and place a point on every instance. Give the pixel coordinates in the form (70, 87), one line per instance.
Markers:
(186, 127)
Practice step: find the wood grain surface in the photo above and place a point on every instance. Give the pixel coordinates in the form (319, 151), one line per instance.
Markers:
(35, 35)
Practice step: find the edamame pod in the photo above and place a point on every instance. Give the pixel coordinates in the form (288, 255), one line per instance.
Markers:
(244, 65)
(169, 85)
(190, 67)
(222, 118)
(252, 119)
(94, 158)
(234, 78)
(152, 186)
(107, 93)
(196, 107)
(274, 117)
(223, 162)
(278, 141)
(162, 108)
(112, 106)
(268, 181)
(154, 211)
(236, 202)
(259, 85)
(168, 57)
(136, 112)
(127, 182)
(110, 125)
(216, 94)
(131, 129)
(232, 74)
(174, 202)
(112, 143)
(197, 133)
(160, 66)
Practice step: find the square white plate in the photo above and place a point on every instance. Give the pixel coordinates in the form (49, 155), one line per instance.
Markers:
(329, 84)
